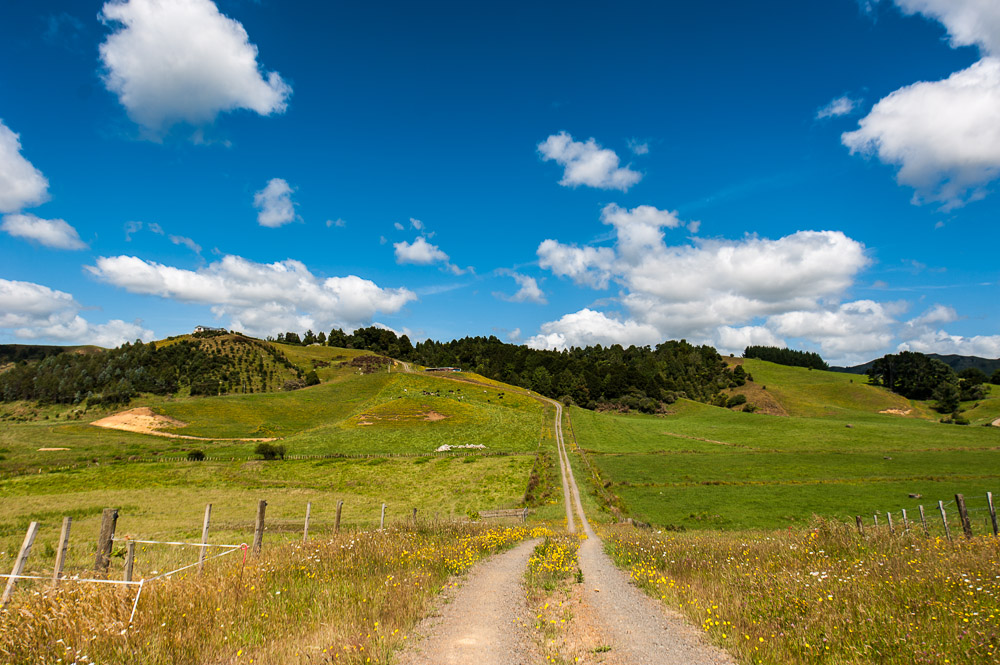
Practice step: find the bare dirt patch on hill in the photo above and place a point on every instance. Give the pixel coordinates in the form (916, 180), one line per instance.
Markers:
(897, 412)
(144, 420)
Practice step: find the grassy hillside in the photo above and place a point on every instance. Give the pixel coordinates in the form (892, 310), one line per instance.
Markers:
(352, 414)
(814, 393)
(833, 454)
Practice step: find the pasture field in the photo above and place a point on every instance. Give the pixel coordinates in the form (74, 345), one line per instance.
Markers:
(706, 467)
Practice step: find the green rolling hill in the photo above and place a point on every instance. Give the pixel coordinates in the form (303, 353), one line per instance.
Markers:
(821, 444)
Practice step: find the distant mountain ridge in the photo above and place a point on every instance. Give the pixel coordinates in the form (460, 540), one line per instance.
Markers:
(956, 362)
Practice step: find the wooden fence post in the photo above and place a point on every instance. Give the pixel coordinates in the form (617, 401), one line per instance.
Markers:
(993, 511)
(105, 540)
(875, 518)
(22, 558)
(258, 529)
(964, 515)
(860, 523)
(336, 527)
(888, 517)
(381, 522)
(305, 528)
(130, 559)
(923, 521)
(944, 519)
(906, 526)
(61, 552)
(204, 537)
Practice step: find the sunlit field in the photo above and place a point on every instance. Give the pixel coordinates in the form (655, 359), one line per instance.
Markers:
(352, 599)
(827, 594)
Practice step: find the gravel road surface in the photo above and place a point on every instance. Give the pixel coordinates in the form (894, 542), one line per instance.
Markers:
(485, 621)
(640, 629)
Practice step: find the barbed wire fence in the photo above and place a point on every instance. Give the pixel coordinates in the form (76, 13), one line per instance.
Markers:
(958, 517)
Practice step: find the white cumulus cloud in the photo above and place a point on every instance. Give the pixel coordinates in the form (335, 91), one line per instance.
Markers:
(843, 105)
(54, 233)
(529, 291)
(939, 341)
(587, 163)
(36, 312)
(259, 298)
(274, 204)
(969, 22)
(943, 135)
(936, 314)
(21, 184)
(183, 61)
(587, 266)
(421, 252)
(588, 328)
(734, 341)
(922, 334)
(718, 291)
(638, 229)
(852, 329)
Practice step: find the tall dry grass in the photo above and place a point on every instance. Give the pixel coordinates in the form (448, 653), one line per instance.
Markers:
(827, 595)
(349, 599)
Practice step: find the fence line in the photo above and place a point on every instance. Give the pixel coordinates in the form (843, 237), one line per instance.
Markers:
(959, 518)
(216, 458)
(106, 538)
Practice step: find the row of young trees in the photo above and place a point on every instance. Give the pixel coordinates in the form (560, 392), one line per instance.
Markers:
(782, 356)
(117, 375)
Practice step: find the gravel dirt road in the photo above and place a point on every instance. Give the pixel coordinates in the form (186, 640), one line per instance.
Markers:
(485, 621)
(639, 629)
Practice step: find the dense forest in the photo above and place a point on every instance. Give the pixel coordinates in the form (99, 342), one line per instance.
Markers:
(789, 357)
(918, 376)
(204, 366)
(15, 353)
(636, 378)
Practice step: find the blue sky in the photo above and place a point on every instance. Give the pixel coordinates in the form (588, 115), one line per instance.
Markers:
(820, 175)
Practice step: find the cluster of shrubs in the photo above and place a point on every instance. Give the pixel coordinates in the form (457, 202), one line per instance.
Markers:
(267, 451)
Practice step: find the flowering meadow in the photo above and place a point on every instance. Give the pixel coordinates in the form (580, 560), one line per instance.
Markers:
(826, 595)
(350, 599)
